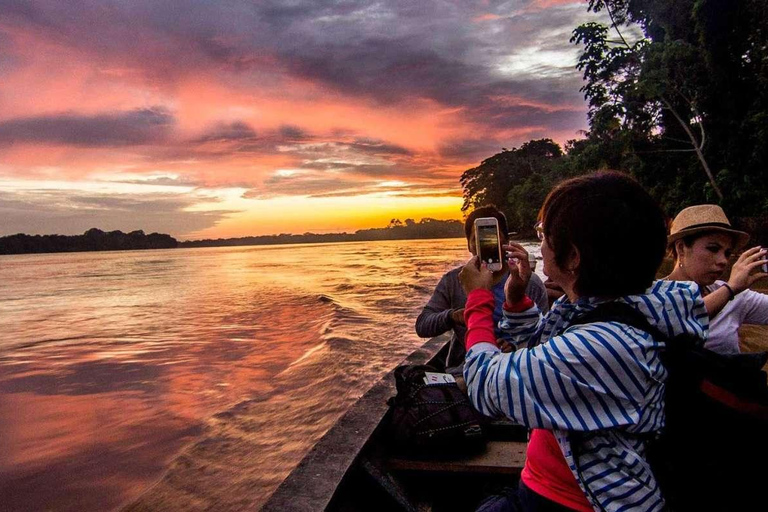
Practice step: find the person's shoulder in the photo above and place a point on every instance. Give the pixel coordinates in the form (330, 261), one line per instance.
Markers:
(535, 283)
(451, 278)
(453, 273)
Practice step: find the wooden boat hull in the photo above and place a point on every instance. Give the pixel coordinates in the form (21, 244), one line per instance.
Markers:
(352, 468)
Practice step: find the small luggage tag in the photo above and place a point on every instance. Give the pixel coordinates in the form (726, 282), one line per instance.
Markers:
(431, 378)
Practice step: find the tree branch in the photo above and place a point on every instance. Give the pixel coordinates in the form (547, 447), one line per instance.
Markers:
(615, 27)
(697, 147)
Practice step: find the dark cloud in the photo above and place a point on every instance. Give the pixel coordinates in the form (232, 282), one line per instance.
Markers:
(303, 185)
(135, 127)
(468, 149)
(358, 156)
(387, 52)
(71, 213)
(225, 132)
(315, 185)
(377, 147)
(293, 133)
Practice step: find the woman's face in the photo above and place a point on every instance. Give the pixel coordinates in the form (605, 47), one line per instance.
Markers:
(559, 276)
(706, 259)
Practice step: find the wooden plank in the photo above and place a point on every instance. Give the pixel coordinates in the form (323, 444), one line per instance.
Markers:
(501, 457)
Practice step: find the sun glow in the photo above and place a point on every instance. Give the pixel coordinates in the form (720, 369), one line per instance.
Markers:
(339, 214)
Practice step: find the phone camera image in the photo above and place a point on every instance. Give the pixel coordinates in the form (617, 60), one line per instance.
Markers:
(489, 244)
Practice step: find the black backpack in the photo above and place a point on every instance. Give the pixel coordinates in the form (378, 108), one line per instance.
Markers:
(712, 453)
(432, 420)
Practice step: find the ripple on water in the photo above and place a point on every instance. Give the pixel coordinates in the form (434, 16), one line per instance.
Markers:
(204, 365)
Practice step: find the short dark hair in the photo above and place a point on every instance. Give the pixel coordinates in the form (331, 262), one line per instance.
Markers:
(488, 210)
(617, 227)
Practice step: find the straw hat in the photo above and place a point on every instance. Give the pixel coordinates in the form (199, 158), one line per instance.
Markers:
(704, 218)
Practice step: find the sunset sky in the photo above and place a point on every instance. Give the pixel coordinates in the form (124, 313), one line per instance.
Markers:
(207, 119)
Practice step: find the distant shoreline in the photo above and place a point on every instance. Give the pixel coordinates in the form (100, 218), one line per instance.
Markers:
(97, 240)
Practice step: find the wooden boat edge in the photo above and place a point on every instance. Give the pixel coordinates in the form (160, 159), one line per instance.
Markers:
(312, 484)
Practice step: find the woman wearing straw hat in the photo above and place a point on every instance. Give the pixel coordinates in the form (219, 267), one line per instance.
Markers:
(702, 241)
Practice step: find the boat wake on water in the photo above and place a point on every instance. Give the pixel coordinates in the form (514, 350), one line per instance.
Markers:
(213, 371)
(363, 330)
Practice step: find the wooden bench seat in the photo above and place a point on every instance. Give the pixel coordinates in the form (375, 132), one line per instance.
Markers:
(499, 457)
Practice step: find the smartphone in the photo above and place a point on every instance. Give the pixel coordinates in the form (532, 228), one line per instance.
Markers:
(764, 266)
(488, 242)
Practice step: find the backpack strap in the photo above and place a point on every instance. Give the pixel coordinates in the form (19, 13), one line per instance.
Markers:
(622, 313)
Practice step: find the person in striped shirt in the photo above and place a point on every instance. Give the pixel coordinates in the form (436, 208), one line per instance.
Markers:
(602, 239)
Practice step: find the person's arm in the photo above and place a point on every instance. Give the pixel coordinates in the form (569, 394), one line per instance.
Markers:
(571, 382)
(437, 316)
(756, 307)
(741, 278)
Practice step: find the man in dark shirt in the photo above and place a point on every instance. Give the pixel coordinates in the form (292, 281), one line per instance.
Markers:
(445, 309)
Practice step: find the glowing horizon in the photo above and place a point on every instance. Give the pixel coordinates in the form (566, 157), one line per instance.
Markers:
(209, 122)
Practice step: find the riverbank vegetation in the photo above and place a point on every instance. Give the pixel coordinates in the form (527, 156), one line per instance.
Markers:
(92, 240)
(98, 240)
(396, 230)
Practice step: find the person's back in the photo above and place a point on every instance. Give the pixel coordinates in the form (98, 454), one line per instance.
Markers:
(592, 392)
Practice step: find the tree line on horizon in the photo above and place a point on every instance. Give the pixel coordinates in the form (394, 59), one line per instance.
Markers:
(97, 240)
(92, 240)
(684, 109)
(396, 230)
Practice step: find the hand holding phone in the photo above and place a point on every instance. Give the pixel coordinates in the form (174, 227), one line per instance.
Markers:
(749, 267)
(488, 242)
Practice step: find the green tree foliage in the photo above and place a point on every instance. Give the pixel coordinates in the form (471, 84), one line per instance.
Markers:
(516, 181)
(685, 107)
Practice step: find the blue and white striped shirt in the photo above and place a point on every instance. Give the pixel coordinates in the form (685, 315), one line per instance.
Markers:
(604, 379)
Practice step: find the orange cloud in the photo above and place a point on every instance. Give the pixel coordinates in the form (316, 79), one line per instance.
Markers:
(217, 106)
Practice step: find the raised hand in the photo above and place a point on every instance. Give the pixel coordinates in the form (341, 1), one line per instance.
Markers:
(519, 272)
(743, 272)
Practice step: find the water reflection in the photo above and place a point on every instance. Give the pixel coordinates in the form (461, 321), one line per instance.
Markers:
(111, 364)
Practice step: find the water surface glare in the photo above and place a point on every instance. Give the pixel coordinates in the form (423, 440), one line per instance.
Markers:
(208, 372)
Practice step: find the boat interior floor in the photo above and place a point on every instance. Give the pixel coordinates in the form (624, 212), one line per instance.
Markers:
(383, 481)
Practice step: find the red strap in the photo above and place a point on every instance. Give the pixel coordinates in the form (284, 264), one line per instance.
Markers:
(519, 306)
(734, 402)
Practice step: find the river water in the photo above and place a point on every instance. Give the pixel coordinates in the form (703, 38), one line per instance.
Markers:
(193, 379)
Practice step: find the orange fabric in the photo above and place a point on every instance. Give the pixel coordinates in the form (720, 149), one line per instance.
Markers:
(546, 472)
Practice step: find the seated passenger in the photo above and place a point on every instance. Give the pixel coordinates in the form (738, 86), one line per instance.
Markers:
(702, 241)
(590, 392)
(445, 309)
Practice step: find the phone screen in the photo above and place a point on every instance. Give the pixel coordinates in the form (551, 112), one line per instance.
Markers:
(488, 240)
